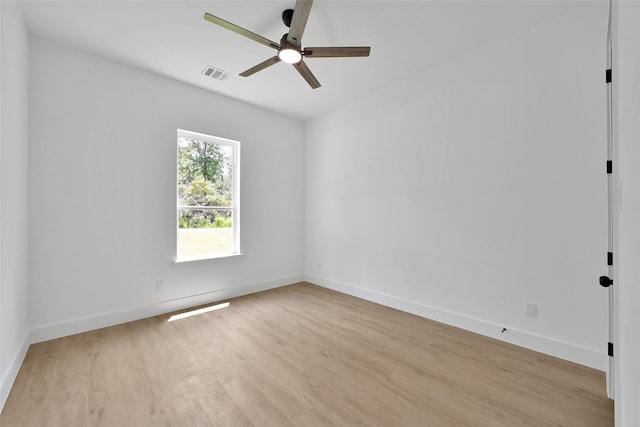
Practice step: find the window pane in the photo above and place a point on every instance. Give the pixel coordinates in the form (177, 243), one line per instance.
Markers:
(204, 232)
(204, 173)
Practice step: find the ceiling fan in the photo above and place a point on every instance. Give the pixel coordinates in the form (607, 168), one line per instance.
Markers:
(290, 47)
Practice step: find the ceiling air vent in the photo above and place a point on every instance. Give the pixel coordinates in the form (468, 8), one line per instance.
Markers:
(215, 73)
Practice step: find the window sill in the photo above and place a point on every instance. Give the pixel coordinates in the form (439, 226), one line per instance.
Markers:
(205, 257)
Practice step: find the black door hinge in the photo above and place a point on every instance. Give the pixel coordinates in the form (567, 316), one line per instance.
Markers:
(610, 349)
(609, 166)
(608, 76)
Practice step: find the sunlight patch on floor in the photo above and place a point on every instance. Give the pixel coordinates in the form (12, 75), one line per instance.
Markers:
(198, 311)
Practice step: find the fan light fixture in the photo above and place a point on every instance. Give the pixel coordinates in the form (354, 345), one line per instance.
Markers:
(290, 55)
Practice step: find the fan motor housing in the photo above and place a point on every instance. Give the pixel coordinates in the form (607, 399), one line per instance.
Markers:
(286, 44)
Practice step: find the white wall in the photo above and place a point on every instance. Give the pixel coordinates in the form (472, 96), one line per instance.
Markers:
(102, 193)
(627, 85)
(474, 188)
(14, 230)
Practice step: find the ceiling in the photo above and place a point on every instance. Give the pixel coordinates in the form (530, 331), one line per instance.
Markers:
(171, 38)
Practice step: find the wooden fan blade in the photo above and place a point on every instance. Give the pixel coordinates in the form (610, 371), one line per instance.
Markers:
(299, 21)
(336, 52)
(307, 74)
(239, 30)
(261, 66)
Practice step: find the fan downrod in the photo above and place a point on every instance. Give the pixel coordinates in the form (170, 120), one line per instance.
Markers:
(287, 14)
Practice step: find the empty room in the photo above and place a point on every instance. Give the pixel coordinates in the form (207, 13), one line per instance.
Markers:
(320, 213)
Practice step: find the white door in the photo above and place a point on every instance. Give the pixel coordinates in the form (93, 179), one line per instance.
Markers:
(608, 281)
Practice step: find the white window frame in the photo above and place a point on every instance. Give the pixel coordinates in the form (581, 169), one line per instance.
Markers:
(235, 196)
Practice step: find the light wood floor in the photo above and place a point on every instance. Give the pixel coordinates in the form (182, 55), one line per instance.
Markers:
(299, 356)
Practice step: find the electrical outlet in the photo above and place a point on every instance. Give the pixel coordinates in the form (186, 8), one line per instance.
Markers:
(531, 310)
(159, 284)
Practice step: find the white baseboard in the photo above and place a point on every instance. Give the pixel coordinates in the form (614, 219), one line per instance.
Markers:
(49, 332)
(551, 346)
(8, 377)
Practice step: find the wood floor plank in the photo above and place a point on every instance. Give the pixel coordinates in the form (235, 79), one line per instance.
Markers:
(299, 355)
